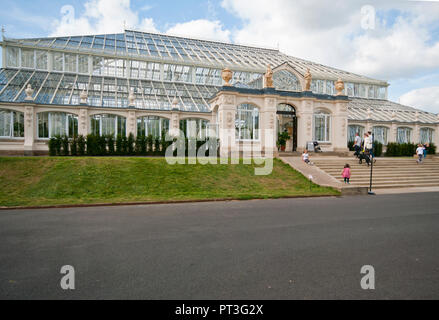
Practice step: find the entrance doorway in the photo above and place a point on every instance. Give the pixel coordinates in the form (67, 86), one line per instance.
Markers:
(287, 121)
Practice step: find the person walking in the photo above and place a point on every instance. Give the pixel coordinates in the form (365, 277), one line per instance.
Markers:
(346, 174)
(426, 146)
(357, 144)
(420, 153)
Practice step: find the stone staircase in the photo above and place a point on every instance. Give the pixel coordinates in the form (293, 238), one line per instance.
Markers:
(387, 172)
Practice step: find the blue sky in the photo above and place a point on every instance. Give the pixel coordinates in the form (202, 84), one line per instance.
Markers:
(402, 47)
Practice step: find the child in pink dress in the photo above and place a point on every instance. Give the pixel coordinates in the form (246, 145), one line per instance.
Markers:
(346, 174)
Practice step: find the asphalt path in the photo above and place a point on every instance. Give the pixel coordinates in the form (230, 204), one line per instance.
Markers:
(310, 248)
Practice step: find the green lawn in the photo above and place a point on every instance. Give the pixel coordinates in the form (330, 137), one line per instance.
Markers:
(39, 181)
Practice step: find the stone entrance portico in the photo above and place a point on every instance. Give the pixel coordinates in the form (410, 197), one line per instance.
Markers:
(227, 101)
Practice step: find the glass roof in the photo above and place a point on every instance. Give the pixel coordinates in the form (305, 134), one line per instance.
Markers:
(184, 50)
(65, 89)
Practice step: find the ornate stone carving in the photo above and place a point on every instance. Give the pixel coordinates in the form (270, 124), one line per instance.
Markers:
(131, 120)
(131, 98)
(308, 78)
(271, 124)
(29, 92)
(339, 86)
(229, 120)
(228, 99)
(308, 125)
(83, 119)
(416, 116)
(227, 75)
(175, 104)
(83, 97)
(393, 115)
(369, 113)
(29, 114)
(268, 78)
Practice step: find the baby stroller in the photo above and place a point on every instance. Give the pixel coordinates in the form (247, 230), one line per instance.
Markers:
(317, 147)
(363, 156)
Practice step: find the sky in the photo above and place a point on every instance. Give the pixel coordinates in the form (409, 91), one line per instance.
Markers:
(392, 40)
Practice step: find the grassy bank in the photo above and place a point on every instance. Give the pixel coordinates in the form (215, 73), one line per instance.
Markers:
(42, 181)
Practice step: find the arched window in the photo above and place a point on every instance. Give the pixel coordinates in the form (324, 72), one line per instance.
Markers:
(247, 122)
(108, 124)
(285, 80)
(426, 135)
(51, 124)
(194, 128)
(151, 125)
(354, 129)
(403, 135)
(11, 124)
(380, 134)
(322, 126)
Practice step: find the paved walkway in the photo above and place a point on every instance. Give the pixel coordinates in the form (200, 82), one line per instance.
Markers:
(320, 177)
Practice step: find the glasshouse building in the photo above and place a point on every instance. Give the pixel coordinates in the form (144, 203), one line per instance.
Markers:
(150, 84)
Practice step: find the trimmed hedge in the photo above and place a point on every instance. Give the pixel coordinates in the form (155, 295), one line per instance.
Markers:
(94, 145)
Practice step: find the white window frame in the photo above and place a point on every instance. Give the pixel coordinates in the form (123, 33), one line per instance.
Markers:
(327, 117)
(254, 116)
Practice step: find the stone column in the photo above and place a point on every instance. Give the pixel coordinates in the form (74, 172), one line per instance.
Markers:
(267, 125)
(83, 122)
(131, 122)
(304, 124)
(392, 132)
(340, 127)
(174, 124)
(226, 125)
(29, 130)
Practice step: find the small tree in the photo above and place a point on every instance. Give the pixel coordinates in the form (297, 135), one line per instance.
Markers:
(138, 148)
(52, 147)
(119, 142)
(65, 145)
(58, 144)
(81, 145)
(130, 144)
(91, 145)
(102, 145)
(74, 146)
(124, 145)
(157, 146)
(150, 143)
(110, 143)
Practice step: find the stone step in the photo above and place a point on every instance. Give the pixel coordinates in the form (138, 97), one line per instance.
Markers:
(388, 172)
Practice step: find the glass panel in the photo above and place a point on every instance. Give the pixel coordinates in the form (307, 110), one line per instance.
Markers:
(426, 135)
(58, 61)
(41, 57)
(5, 123)
(380, 134)
(27, 58)
(43, 125)
(403, 135)
(82, 64)
(247, 122)
(353, 129)
(18, 120)
(285, 80)
(70, 62)
(12, 57)
(322, 127)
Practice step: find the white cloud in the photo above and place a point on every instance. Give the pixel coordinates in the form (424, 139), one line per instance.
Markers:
(100, 16)
(202, 28)
(330, 32)
(426, 99)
